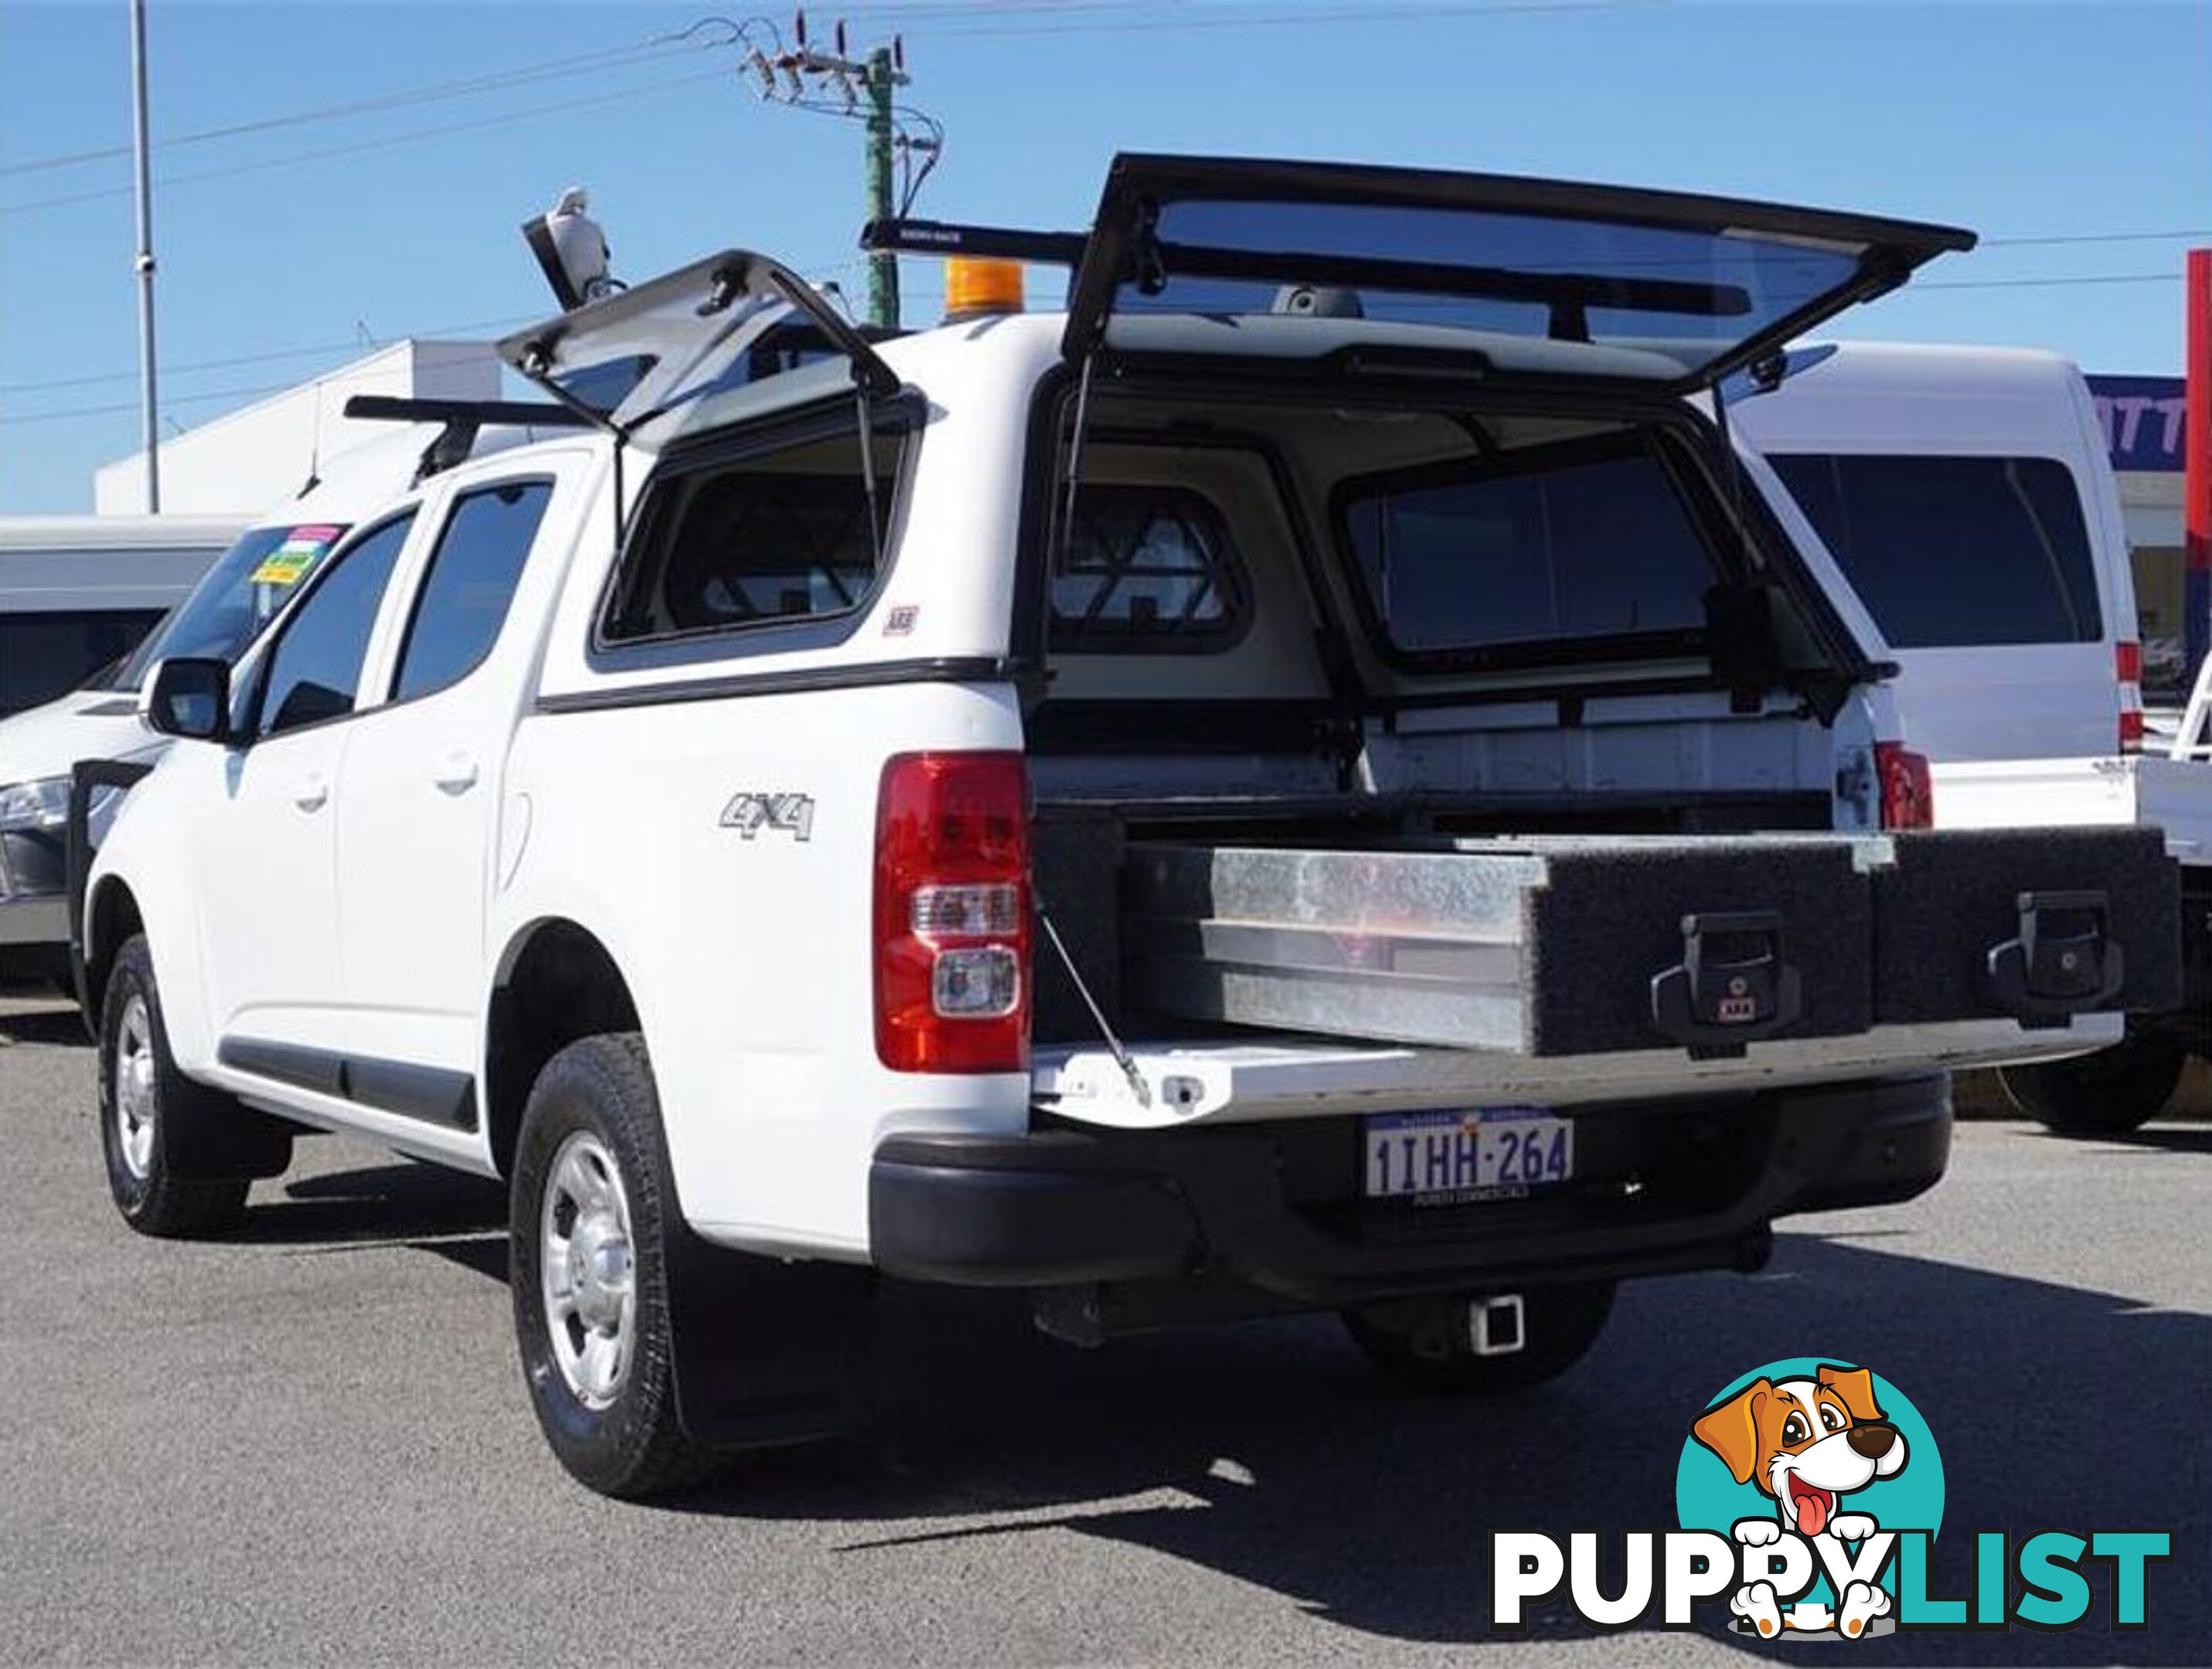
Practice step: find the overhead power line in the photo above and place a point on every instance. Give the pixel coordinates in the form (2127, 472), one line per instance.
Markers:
(1132, 20)
(306, 350)
(2047, 283)
(357, 147)
(15, 419)
(2097, 238)
(467, 87)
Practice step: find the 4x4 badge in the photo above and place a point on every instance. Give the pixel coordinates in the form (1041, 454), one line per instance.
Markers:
(792, 814)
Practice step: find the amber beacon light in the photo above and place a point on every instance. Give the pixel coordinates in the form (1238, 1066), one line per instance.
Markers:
(975, 285)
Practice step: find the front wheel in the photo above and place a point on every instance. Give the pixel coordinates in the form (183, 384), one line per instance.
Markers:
(2109, 1093)
(591, 1210)
(180, 1156)
(1431, 1344)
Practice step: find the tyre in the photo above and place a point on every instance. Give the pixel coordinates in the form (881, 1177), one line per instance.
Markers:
(180, 1156)
(1428, 1345)
(592, 1215)
(2106, 1094)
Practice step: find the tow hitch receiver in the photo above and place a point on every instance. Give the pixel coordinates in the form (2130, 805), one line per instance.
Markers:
(1731, 986)
(2063, 963)
(1497, 1326)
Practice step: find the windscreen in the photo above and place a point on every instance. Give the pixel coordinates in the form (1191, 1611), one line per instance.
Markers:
(1951, 552)
(46, 653)
(1687, 295)
(1578, 550)
(234, 599)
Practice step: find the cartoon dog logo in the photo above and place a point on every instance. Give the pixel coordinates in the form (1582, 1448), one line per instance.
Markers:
(1807, 1443)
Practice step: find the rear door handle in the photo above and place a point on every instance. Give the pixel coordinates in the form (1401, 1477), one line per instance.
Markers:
(456, 774)
(310, 792)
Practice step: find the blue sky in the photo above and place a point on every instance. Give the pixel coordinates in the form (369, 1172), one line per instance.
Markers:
(2024, 122)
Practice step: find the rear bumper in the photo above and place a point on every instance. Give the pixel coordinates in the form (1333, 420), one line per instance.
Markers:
(1275, 1208)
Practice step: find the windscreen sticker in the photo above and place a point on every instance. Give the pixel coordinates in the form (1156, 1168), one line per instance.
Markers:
(290, 562)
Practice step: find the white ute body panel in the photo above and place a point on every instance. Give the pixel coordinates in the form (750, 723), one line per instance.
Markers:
(359, 905)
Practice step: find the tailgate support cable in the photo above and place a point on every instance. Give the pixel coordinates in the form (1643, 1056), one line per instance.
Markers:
(1122, 1057)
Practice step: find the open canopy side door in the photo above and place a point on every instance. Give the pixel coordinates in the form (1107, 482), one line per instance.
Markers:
(639, 354)
(1535, 277)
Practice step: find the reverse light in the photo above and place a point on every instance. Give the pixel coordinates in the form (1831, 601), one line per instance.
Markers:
(1908, 794)
(952, 913)
(2127, 671)
(991, 910)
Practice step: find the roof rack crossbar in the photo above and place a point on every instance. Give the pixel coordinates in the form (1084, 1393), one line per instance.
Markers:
(521, 414)
(925, 237)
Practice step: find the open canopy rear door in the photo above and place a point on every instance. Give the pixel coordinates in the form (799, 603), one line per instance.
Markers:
(644, 351)
(1534, 277)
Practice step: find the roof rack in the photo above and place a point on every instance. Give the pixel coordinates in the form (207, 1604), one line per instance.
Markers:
(924, 237)
(521, 414)
(462, 419)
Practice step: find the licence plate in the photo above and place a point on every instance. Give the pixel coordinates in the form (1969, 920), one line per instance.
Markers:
(1456, 1158)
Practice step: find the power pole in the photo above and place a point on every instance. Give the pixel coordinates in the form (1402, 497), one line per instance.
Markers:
(838, 83)
(883, 265)
(144, 263)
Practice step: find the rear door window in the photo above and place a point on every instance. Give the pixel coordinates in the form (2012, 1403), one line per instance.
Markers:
(1575, 551)
(1146, 568)
(473, 573)
(1955, 552)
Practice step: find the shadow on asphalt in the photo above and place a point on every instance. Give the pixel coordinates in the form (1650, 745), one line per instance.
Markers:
(448, 1213)
(61, 1027)
(1268, 1453)
(2167, 1138)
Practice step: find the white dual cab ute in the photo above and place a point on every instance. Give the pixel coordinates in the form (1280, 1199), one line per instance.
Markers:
(1318, 779)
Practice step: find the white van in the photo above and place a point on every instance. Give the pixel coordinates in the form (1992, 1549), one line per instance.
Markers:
(1967, 493)
(78, 592)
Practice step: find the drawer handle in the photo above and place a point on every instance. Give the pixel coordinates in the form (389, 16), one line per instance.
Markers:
(1731, 987)
(2063, 963)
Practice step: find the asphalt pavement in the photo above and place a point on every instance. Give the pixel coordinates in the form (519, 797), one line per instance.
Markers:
(310, 1444)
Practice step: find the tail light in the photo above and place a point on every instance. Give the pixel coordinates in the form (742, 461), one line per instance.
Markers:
(952, 913)
(1908, 796)
(2127, 668)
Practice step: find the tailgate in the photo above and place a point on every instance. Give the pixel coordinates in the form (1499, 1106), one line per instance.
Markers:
(1546, 948)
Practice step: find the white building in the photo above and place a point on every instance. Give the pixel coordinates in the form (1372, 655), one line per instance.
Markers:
(247, 459)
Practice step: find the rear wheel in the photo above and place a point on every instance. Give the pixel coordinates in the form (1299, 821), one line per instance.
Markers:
(180, 1156)
(590, 1214)
(2106, 1094)
(1431, 1343)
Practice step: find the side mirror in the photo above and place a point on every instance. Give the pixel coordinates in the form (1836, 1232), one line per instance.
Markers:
(190, 697)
